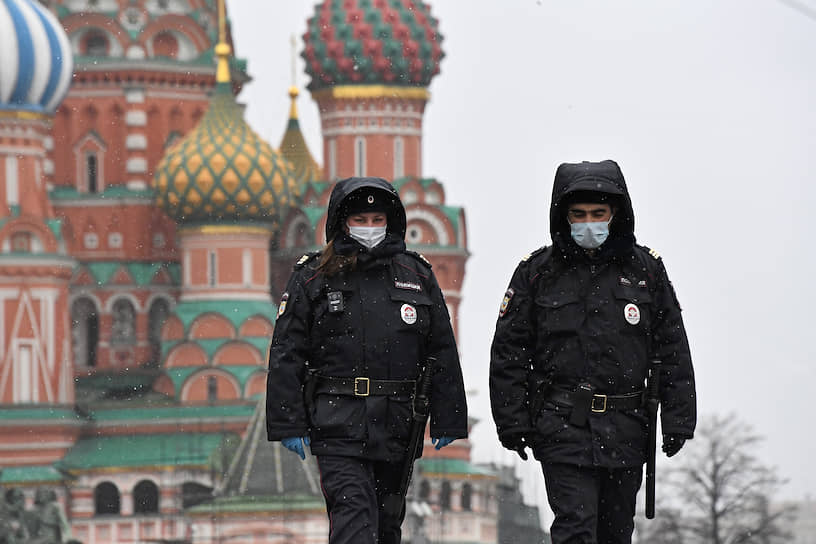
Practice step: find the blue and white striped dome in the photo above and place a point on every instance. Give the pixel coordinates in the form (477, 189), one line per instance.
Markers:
(35, 58)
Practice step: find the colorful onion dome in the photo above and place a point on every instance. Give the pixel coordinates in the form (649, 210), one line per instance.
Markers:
(222, 170)
(35, 58)
(369, 42)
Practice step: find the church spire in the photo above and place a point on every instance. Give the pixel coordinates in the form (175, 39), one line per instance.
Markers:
(222, 48)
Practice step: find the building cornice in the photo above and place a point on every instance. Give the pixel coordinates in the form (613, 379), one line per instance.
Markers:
(371, 91)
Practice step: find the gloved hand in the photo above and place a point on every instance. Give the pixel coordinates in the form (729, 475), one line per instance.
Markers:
(517, 441)
(672, 444)
(296, 445)
(441, 442)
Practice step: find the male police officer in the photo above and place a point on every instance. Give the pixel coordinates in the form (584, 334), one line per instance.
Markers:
(576, 330)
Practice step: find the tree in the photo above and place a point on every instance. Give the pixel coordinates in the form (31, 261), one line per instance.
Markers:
(720, 493)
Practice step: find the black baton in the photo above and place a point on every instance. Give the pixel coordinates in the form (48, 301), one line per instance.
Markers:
(421, 409)
(652, 402)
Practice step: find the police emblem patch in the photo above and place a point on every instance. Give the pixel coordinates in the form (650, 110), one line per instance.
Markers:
(632, 314)
(409, 314)
(282, 306)
(505, 304)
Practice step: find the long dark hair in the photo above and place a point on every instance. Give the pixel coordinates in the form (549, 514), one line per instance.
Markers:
(332, 263)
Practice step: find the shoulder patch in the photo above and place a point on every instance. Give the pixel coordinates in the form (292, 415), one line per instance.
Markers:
(306, 259)
(538, 251)
(419, 256)
(654, 254)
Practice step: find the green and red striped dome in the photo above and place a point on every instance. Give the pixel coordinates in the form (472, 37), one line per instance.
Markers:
(372, 42)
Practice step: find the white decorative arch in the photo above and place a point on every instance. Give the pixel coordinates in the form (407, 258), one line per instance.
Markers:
(436, 223)
(118, 296)
(171, 302)
(114, 46)
(208, 371)
(85, 294)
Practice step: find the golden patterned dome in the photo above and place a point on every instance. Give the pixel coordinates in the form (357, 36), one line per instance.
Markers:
(222, 170)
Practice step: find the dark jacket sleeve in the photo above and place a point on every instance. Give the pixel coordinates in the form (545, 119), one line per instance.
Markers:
(448, 404)
(678, 397)
(288, 358)
(511, 357)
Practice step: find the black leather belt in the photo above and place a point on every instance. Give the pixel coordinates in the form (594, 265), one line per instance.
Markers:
(363, 387)
(599, 403)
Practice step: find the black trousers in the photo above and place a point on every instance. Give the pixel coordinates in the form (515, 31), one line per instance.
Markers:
(592, 505)
(354, 490)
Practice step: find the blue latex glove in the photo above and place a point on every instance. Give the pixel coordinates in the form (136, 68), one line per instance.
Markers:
(441, 442)
(296, 445)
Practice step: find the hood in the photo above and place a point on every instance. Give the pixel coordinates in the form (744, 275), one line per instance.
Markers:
(600, 177)
(345, 187)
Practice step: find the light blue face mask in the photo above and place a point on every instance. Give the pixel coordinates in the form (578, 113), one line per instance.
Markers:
(590, 235)
(370, 237)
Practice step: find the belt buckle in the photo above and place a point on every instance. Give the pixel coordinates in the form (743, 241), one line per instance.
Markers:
(357, 382)
(598, 410)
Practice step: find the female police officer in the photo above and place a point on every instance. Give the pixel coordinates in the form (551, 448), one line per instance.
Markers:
(355, 326)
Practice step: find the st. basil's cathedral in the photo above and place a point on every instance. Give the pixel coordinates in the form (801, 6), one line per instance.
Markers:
(146, 233)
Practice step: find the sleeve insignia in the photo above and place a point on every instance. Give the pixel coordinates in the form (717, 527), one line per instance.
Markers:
(282, 306)
(505, 304)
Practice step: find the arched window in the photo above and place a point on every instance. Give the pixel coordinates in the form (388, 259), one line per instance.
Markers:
(467, 497)
(360, 157)
(193, 493)
(106, 499)
(123, 330)
(424, 490)
(399, 157)
(212, 269)
(445, 496)
(96, 45)
(92, 172)
(85, 331)
(146, 498)
(332, 159)
(156, 317)
(212, 389)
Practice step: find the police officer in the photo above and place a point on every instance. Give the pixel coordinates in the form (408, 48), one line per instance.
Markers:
(577, 328)
(355, 326)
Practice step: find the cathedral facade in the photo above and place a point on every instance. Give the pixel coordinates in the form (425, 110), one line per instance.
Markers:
(146, 232)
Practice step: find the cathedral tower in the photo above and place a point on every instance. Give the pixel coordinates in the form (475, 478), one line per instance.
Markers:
(36, 371)
(228, 192)
(371, 62)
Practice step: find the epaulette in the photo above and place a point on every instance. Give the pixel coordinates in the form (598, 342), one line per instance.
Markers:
(307, 258)
(655, 255)
(535, 253)
(419, 256)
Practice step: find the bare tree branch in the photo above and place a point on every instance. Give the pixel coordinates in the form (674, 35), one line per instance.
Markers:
(721, 492)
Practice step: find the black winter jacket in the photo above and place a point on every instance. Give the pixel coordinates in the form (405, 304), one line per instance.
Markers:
(569, 318)
(393, 317)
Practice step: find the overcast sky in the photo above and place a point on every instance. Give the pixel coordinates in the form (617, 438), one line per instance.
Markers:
(710, 110)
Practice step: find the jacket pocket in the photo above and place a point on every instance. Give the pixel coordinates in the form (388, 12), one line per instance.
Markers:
(399, 418)
(633, 306)
(559, 312)
(339, 416)
(413, 311)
